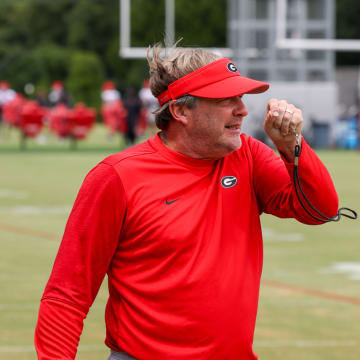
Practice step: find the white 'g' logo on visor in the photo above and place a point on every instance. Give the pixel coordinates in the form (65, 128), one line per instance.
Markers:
(231, 67)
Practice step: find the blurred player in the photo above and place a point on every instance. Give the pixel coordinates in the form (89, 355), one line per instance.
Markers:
(132, 105)
(150, 103)
(58, 95)
(109, 93)
(6, 95)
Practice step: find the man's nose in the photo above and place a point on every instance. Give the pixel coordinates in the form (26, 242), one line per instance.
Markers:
(240, 108)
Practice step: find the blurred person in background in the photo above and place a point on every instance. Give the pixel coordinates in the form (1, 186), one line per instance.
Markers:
(6, 95)
(112, 110)
(109, 93)
(58, 95)
(150, 103)
(41, 97)
(175, 221)
(132, 105)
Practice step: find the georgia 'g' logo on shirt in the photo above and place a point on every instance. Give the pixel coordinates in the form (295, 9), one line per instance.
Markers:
(228, 181)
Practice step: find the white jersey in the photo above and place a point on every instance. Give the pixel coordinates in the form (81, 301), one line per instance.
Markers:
(110, 95)
(149, 101)
(6, 96)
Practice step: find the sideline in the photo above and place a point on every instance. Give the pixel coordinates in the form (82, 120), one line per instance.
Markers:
(312, 292)
(31, 232)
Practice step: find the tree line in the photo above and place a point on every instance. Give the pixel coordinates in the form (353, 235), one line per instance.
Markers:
(77, 41)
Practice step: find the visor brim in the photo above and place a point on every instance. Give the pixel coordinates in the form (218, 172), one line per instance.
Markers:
(229, 87)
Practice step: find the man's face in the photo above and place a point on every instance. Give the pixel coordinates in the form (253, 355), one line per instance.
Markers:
(214, 126)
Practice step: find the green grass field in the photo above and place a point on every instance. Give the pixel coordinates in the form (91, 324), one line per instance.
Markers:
(307, 310)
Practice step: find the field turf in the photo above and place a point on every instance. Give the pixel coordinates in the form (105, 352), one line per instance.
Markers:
(310, 295)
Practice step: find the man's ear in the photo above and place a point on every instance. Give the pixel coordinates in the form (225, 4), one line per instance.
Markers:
(179, 112)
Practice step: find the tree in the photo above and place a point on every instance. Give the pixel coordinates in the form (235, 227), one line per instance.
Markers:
(86, 77)
(347, 27)
(201, 22)
(38, 37)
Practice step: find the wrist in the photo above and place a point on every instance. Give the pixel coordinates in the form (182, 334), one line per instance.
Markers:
(287, 151)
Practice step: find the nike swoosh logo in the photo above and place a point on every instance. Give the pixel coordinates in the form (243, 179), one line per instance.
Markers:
(167, 202)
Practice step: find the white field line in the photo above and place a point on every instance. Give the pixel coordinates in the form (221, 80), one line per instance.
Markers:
(36, 210)
(13, 194)
(271, 235)
(351, 269)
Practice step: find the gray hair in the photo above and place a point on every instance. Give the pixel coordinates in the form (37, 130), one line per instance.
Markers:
(168, 68)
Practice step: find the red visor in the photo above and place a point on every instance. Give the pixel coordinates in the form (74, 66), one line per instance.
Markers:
(219, 79)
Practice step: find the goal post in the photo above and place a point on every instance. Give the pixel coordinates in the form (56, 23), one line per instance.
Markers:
(307, 44)
(126, 51)
(282, 41)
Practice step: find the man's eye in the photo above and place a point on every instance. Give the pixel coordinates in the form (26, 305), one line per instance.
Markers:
(228, 100)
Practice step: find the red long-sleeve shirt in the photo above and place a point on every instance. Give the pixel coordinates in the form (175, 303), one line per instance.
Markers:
(180, 240)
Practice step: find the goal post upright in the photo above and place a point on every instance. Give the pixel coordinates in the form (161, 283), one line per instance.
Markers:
(126, 51)
(283, 42)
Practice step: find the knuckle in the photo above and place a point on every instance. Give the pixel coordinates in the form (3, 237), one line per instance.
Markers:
(292, 107)
(276, 124)
(271, 103)
(286, 120)
(273, 100)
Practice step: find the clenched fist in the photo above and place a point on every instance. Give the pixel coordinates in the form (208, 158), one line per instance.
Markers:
(282, 122)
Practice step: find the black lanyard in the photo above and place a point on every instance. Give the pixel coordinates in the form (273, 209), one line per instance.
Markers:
(319, 215)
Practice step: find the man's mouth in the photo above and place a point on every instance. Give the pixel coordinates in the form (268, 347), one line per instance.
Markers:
(233, 127)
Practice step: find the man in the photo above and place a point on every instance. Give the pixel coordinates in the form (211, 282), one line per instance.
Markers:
(132, 105)
(6, 95)
(174, 222)
(150, 104)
